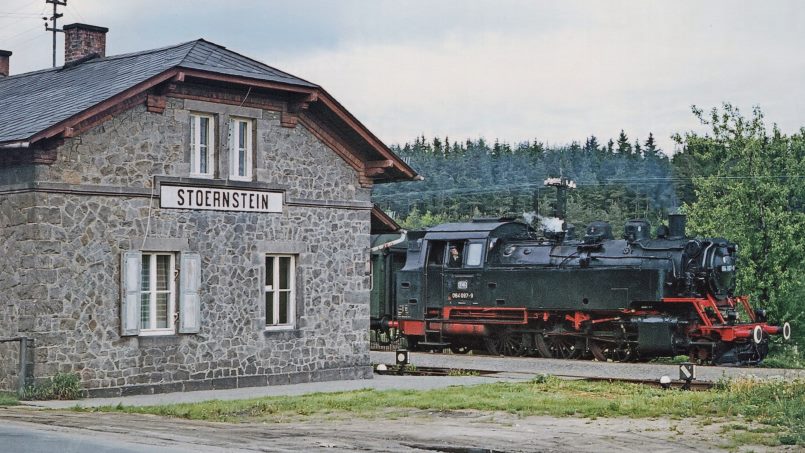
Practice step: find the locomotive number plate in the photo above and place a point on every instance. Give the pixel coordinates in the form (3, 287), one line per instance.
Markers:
(462, 295)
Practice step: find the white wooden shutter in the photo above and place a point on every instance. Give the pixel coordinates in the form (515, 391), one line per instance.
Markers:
(189, 301)
(130, 284)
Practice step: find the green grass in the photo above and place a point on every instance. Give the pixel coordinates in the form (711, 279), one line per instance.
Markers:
(8, 399)
(778, 406)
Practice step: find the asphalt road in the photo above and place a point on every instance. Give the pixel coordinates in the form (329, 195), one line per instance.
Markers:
(414, 431)
(33, 438)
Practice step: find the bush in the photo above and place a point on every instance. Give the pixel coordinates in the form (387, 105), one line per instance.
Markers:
(784, 356)
(62, 386)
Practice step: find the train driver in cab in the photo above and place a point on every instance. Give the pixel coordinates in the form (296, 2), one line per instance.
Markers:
(455, 257)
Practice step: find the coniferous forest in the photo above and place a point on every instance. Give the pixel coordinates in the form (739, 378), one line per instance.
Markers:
(741, 180)
(616, 181)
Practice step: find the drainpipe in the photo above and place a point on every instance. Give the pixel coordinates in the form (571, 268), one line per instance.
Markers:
(386, 245)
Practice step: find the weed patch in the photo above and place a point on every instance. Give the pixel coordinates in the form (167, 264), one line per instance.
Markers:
(63, 386)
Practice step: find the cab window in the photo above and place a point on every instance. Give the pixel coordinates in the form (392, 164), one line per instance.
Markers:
(475, 253)
(436, 253)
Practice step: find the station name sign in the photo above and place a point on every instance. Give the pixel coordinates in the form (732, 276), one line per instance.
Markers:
(215, 199)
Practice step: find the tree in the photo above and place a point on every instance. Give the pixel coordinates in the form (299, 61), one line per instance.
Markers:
(650, 147)
(624, 147)
(753, 196)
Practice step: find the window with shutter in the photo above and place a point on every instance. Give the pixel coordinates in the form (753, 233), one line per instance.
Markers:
(149, 293)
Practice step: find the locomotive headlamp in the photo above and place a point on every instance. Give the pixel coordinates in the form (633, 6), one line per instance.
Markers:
(786, 331)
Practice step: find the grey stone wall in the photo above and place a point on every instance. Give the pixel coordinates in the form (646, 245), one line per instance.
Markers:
(19, 284)
(67, 297)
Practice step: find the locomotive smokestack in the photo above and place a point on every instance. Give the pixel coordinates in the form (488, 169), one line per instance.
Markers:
(676, 225)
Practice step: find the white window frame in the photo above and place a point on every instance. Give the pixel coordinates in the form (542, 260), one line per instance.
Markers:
(195, 145)
(152, 299)
(234, 148)
(274, 324)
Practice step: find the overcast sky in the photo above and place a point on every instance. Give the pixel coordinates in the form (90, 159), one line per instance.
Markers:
(555, 71)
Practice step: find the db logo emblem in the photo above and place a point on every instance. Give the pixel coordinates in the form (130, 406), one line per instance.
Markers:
(462, 284)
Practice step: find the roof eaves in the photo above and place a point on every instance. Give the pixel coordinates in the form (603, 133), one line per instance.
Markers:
(406, 170)
(62, 126)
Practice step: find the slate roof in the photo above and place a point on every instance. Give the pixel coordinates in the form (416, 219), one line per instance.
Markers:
(35, 101)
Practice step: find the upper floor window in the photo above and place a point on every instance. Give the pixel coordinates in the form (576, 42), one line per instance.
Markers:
(202, 145)
(240, 149)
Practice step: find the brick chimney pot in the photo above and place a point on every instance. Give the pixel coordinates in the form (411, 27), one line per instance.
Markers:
(82, 40)
(4, 62)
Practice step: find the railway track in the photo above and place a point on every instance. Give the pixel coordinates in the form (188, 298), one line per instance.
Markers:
(436, 371)
(579, 369)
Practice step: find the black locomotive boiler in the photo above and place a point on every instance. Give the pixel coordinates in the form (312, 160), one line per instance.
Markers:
(500, 285)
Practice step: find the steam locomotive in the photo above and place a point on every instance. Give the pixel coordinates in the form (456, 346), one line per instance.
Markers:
(503, 286)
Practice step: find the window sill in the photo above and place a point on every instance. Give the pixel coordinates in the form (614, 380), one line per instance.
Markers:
(157, 333)
(281, 333)
(159, 341)
(202, 175)
(241, 178)
(280, 328)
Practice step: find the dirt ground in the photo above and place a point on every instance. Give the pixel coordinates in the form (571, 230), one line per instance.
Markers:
(414, 431)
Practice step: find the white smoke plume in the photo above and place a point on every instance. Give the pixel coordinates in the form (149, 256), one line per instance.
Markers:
(551, 224)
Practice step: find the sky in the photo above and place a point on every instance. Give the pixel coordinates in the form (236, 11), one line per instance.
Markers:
(553, 71)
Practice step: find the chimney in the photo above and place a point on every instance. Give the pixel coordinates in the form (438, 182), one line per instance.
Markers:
(4, 57)
(676, 226)
(82, 40)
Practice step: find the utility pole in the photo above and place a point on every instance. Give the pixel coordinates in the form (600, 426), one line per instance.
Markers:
(54, 28)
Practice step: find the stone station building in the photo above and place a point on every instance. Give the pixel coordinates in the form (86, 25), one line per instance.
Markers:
(183, 218)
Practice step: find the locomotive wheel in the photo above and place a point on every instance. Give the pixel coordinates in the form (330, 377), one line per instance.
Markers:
(505, 342)
(598, 351)
(558, 347)
(605, 351)
(459, 349)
